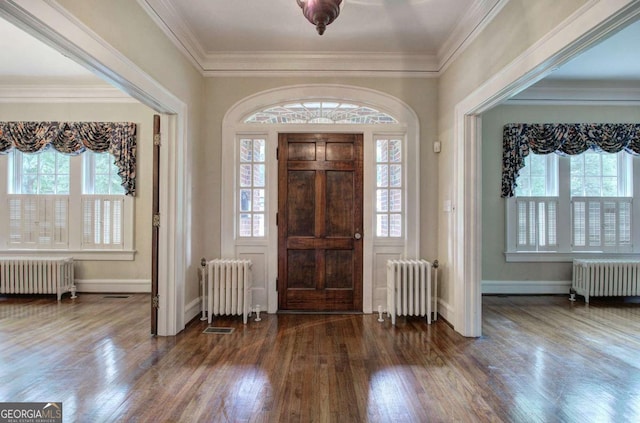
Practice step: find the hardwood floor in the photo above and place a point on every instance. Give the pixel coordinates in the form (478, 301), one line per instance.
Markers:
(541, 359)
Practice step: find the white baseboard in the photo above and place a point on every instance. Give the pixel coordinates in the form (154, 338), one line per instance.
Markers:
(113, 285)
(526, 287)
(192, 309)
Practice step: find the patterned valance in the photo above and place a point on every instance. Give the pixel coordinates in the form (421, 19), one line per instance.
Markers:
(118, 138)
(561, 138)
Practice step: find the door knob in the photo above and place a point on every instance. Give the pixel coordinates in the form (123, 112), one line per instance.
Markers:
(357, 235)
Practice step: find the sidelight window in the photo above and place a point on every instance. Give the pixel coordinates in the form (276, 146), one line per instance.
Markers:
(251, 187)
(389, 188)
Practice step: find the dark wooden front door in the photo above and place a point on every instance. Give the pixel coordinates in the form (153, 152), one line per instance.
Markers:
(320, 222)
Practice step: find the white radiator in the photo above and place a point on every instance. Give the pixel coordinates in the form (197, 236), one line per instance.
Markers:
(606, 278)
(229, 288)
(37, 275)
(409, 289)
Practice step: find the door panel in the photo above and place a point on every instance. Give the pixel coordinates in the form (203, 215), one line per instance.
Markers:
(319, 213)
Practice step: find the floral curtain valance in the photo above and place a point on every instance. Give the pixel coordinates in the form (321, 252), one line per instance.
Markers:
(561, 138)
(117, 138)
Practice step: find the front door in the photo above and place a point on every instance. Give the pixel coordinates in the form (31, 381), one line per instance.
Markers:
(320, 222)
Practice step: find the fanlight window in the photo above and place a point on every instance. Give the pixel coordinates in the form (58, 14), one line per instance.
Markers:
(329, 112)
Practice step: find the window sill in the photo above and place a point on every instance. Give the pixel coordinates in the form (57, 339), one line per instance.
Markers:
(78, 255)
(568, 257)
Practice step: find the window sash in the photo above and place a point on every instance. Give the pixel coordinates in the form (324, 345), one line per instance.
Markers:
(583, 224)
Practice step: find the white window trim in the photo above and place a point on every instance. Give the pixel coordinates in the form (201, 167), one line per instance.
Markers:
(375, 250)
(127, 253)
(564, 252)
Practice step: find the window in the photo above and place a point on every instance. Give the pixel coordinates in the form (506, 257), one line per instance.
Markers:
(49, 191)
(389, 188)
(251, 187)
(320, 112)
(580, 203)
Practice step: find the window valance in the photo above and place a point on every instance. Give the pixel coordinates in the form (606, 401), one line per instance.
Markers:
(561, 138)
(117, 138)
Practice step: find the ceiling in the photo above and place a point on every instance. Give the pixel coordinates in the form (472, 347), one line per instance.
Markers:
(409, 37)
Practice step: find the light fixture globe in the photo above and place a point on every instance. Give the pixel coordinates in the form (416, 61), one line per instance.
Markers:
(321, 12)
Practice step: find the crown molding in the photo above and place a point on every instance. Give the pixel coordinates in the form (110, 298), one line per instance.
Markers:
(560, 92)
(468, 29)
(257, 64)
(319, 64)
(164, 14)
(62, 94)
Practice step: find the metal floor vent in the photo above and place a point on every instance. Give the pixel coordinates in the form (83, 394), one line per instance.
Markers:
(116, 296)
(224, 331)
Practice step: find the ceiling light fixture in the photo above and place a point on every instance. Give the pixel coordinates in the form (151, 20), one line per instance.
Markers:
(321, 12)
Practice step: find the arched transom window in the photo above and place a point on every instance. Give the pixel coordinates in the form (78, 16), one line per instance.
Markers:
(319, 111)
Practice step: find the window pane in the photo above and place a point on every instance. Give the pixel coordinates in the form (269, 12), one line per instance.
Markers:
(395, 200)
(382, 152)
(258, 200)
(62, 186)
(592, 164)
(29, 184)
(63, 165)
(47, 162)
(538, 186)
(246, 149)
(103, 162)
(258, 224)
(259, 150)
(245, 175)
(258, 175)
(245, 225)
(577, 186)
(245, 200)
(395, 175)
(382, 225)
(382, 175)
(382, 200)
(609, 186)
(29, 163)
(395, 151)
(47, 184)
(609, 164)
(395, 225)
(592, 186)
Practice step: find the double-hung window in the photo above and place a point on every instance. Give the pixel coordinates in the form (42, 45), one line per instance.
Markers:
(61, 202)
(38, 200)
(569, 204)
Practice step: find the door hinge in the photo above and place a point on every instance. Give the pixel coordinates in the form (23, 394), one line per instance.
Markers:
(155, 301)
(156, 140)
(277, 153)
(276, 218)
(156, 220)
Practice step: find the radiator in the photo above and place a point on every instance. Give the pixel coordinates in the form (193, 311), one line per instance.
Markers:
(37, 275)
(229, 288)
(605, 278)
(409, 289)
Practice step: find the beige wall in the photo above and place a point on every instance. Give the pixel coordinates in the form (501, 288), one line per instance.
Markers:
(140, 268)
(494, 266)
(127, 27)
(518, 26)
(419, 94)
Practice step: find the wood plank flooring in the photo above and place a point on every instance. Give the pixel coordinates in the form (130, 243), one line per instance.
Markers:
(541, 359)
